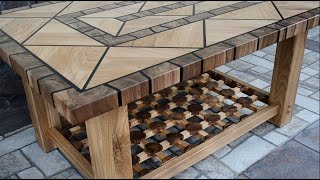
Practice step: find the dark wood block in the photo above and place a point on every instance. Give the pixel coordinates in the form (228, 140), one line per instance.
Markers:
(132, 87)
(267, 36)
(10, 48)
(78, 107)
(313, 19)
(163, 76)
(282, 31)
(23, 62)
(215, 55)
(35, 74)
(51, 84)
(295, 25)
(245, 44)
(191, 65)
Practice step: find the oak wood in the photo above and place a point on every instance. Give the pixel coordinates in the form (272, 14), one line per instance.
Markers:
(23, 62)
(288, 62)
(71, 153)
(109, 142)
(35, 74)
(39, 116)
(191, 65)
(9, 48)
(245, 44)
(196, 154)
(267, 36)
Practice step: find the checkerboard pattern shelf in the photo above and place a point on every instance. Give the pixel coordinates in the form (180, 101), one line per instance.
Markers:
(180, 118)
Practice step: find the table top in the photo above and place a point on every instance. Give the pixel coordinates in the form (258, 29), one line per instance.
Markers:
(90, 57)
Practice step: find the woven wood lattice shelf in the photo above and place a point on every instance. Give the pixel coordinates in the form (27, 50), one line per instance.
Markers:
(169, 123)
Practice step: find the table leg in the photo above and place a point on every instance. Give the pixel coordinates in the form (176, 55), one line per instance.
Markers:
(286, 73)
(43, 116)
(109, 142)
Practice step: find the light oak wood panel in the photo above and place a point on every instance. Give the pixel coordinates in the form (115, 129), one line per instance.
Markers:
(288, 63)
(44, 11)
(121, 61)
(291, 8)
(121, 11)
(110, 146)
(184, 11)
(56, 33)
(109, 25)
(264, 10)
(146, 22)
(209, 5)
(219, 30)
(83, 5)
(21, 28)
(73, 62)
(189, 36)
(155, 4)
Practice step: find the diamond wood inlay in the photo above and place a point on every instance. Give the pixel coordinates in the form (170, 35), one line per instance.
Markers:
(209, 5)
(215, 32)
(259, 11)
(109, 25)
(121, 61)
(43, 11)
(145, 22)
(21, 28)
(117, 11)
(184, 11)
(56, 33)
(291, 8)
(77, 6)
(73, 62)
(189, 36)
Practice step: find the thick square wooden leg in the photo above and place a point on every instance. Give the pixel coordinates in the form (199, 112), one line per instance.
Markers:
(43, 116)
(286, 73)
(109, 142)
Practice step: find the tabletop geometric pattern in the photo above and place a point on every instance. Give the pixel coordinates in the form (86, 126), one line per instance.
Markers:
(94, 42)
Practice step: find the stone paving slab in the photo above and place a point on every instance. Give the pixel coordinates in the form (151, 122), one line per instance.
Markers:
(290, 161)
(12, 163)
(310, 137)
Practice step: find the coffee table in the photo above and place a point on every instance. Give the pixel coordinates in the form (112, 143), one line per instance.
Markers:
(126, 88)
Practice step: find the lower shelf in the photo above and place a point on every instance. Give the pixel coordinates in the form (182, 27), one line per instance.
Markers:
(178, 126)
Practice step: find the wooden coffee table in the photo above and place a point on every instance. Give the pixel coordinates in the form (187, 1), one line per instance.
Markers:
(126, 89)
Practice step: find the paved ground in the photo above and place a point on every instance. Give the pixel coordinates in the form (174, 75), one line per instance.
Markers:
(266, 152)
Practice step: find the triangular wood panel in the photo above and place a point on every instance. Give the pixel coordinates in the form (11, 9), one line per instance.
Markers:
(121, 11)
(121, 61)
(56, 33)
(21, 28)
(146, 22)
(264, 10)
(73, 62)
(291, 8)
(219, 30)
(109, 25)
(43, 11)
(187, 36)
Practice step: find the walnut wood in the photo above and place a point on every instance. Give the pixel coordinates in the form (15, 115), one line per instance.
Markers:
(267, 36)
(245, 44)
(35, 74)
(195, 108)
(211, 100)
(161, 108)
(177, 116)
(135, 159)
(9, 48)
(227, 92)
(191, 65)
(142, 116)
(216, 55)
(137, 136)
(165, 92)
(78, 107)
(174, 137)
(148, 99)
(211, 85)
(194, 128)
(179, 99)
(132, 87)
(245, 101)
(229, 109)
(152, 148)
(163, 76)
(212, 118)
(182, 85)
(289, 59)
(158, 127)
(109, 142)
(23, 62)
